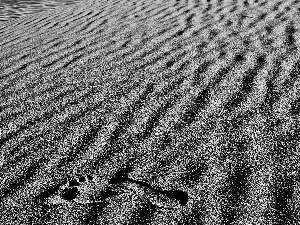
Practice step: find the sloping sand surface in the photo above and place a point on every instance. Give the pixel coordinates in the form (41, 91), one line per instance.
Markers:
(13, 9)
(108, 107)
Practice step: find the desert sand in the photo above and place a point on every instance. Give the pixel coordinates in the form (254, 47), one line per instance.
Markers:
(108, 107)
(13, 9)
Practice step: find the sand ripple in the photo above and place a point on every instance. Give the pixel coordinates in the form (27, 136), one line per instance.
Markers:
(196, 103)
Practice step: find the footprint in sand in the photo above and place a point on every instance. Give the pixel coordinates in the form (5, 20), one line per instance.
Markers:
(163, 199)
(83, 189)
(77, 190)
(75, 186)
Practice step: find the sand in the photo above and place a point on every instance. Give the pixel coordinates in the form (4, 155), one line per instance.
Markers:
(14, 9)
(197, 96)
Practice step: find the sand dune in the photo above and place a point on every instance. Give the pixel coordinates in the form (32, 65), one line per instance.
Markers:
(151, 112)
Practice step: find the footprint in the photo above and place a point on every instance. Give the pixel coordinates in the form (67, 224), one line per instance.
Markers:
(86, 190)
(78, 190)
(74, 188)
(165, 199)
(168, 200)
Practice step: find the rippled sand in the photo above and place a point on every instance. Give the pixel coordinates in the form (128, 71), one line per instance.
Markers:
(201, 97)
(14, 9)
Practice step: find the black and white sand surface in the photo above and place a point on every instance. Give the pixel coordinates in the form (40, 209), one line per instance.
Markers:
(151, 112)
(12, 9)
